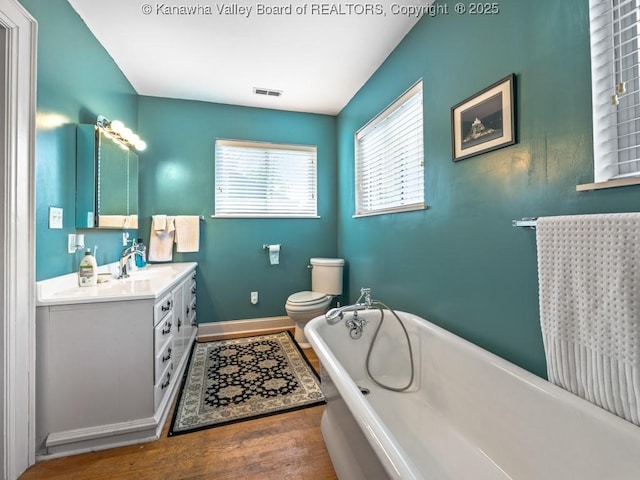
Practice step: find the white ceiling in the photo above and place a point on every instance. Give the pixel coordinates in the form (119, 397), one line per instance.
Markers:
(318, 61)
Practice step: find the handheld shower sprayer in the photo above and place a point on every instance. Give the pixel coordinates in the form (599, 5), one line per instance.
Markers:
(363, 302)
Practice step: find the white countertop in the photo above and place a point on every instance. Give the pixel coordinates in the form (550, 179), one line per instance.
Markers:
(151, 282)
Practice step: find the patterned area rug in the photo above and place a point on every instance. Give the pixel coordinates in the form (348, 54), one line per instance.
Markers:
(230, 381)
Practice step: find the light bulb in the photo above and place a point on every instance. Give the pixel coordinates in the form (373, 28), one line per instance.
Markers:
(126, 133)
(141, 145)
(116, 126)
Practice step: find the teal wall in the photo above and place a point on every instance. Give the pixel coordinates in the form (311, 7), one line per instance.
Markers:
(177, 178)
(460, 263)
(77, 80)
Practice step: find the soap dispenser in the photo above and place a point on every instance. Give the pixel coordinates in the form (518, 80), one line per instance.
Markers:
(141, 256)
(88, 270)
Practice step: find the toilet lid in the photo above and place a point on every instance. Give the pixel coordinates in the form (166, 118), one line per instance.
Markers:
(303, 298)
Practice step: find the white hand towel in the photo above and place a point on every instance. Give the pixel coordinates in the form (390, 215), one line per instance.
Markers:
(589, 281)
(161, 240)
(187, 233)
(159, 223)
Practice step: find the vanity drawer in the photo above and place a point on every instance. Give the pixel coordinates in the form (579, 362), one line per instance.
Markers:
(162, 385)
(162, 333)
(163, 358)
(162, 308)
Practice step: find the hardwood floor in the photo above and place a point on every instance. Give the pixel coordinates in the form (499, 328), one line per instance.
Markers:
(284, 446)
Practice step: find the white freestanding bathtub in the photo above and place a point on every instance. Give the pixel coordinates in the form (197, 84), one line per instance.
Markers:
(468, 415)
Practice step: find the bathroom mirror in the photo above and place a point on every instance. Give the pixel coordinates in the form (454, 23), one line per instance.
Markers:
(106, 181)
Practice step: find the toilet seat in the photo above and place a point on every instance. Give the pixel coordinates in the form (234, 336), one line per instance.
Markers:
(308, 302)
(307, 298)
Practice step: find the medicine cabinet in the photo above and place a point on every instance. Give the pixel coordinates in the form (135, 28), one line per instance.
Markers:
(106, 180)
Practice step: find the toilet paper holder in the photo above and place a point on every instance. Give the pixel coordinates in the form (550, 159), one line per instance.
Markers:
(274, 253)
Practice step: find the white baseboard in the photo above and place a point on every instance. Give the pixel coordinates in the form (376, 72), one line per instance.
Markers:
(207, 331)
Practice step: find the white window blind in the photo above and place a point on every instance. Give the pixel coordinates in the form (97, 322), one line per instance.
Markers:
(616, 88)
(265, 180)
(390, 158)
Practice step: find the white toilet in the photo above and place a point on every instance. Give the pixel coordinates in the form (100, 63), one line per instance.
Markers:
(326, 282)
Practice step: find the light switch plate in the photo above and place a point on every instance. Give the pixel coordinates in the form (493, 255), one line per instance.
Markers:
(55, 217)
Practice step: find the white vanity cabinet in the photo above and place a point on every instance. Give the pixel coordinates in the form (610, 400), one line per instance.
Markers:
(108, 365)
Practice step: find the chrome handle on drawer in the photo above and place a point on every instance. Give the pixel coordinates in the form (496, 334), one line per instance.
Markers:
(193, 277)
(193, 290)
(179, 323)
(168, 357)
(188, 310)
(166, 384)
(167, 330)
(168, 306)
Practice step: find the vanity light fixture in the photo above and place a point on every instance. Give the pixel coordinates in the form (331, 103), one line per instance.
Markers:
(119, 131)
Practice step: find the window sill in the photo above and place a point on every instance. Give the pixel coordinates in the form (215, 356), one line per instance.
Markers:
(621, 182)
(408, 208)
(265, 216)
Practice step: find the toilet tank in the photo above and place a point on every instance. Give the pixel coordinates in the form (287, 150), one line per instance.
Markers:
(326, 275)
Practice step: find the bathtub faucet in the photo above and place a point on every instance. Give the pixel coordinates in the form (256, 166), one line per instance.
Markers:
(364, 302)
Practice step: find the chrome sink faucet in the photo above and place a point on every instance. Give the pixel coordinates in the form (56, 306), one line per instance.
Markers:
(125, 256)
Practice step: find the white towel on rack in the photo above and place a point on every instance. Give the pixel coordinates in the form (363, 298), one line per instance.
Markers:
(161, 238)
(187, 233)
(589, 281)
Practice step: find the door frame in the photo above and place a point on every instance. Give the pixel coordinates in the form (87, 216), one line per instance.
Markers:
(17, 231)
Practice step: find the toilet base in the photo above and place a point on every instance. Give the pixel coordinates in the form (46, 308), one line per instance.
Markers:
(301, 340)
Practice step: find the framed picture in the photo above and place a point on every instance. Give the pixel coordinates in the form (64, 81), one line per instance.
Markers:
(484, 121)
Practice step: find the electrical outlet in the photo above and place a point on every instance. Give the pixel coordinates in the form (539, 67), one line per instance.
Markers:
(71, 243)
(254, 298)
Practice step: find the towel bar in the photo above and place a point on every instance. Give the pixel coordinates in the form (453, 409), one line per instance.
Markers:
(529, 222)
(201, 218)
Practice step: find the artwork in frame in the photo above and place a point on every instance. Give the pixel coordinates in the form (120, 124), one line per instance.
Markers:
(484, 121)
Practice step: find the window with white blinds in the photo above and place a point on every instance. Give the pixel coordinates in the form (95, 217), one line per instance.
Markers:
(615, 88)
(389, 158)
(256, 179)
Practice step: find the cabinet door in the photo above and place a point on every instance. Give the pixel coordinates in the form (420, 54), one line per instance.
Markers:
(179, 322)
(190, 302)
(96, 365)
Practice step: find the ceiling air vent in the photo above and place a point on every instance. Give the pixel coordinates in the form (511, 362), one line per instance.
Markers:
(266, 91)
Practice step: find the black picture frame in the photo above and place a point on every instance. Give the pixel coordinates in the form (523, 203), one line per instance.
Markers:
(485, 121)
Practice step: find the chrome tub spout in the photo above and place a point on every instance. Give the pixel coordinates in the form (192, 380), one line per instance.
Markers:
(334, 315)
